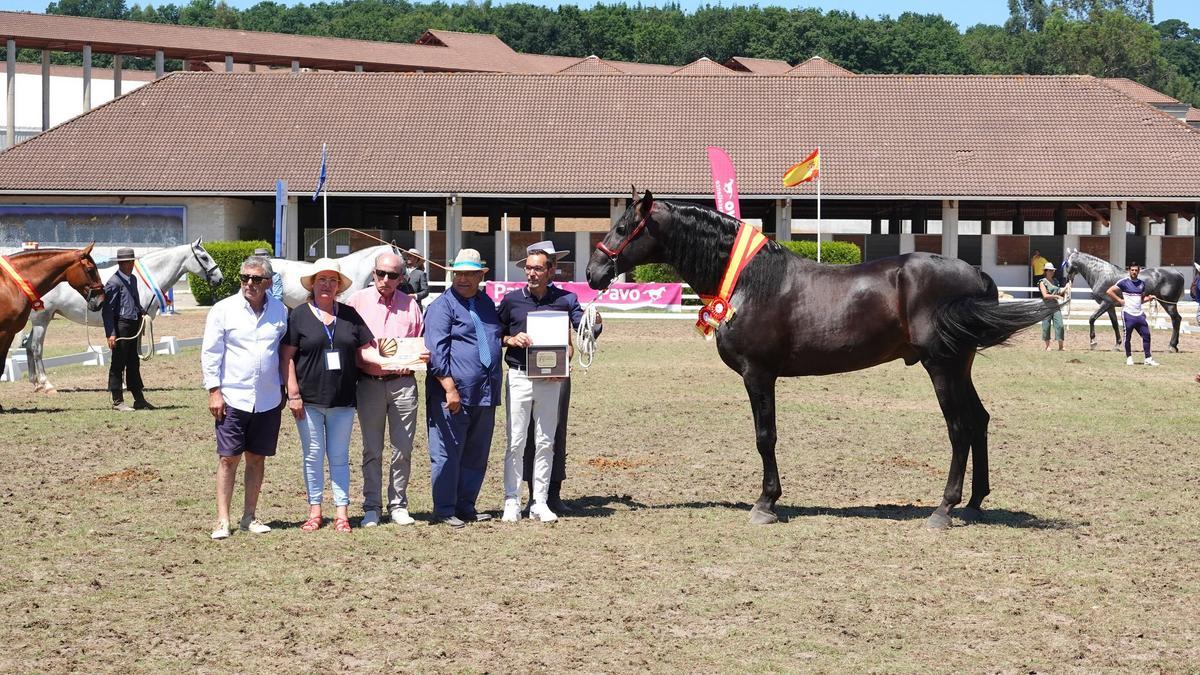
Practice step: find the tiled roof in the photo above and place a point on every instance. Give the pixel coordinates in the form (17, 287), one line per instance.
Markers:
(758, 66)
(1193, 115)
(704, 66)
(819, 67)
(438, 133)
(591, 65)
(1138, 91)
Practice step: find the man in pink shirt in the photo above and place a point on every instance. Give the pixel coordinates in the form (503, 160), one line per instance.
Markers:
(389, 396)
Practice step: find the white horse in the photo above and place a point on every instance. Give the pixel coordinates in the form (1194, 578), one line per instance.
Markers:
(165, 267)
(358, 266)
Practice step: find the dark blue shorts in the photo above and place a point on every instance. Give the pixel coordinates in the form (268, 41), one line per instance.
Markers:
(242, 431)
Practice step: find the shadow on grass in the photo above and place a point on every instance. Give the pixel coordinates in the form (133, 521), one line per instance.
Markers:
(601, 507)
(26, 411)
(93, 390)
(996, 517)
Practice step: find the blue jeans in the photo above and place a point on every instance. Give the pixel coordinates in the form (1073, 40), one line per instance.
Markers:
(326, 431)
(458, 453)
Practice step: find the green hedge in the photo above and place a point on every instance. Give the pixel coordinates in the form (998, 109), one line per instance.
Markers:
(832, 252)
(655, 273)
(229, 256)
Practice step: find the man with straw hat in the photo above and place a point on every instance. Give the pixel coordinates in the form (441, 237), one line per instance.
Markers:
(122, 315)
(462, 333)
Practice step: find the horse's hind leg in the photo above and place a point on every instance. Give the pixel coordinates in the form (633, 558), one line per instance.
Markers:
(1112, 317)
(951, 382)
(980, 487)
(761, 389)
(1176, 322)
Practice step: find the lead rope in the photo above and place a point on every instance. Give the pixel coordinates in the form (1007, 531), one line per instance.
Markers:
(585, 337)
(142, 329)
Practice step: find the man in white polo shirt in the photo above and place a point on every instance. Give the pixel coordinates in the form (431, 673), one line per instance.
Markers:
(240, 362)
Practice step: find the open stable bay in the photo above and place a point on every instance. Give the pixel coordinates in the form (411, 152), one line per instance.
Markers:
(1086, 561)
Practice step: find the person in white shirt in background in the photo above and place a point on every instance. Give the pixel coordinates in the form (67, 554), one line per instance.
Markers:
(240, 362)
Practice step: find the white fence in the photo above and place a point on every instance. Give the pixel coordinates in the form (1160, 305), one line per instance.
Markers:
(16, 366)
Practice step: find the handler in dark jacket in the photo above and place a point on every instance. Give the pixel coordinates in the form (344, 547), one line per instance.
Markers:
(122, 313)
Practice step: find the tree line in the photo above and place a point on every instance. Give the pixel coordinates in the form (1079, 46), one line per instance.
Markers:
(1105, 38)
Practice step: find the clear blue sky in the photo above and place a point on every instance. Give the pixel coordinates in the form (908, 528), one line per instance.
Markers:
(965, 13)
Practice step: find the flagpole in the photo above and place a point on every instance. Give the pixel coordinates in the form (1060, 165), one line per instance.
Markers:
(505, 247)
(325, 209)
(425, 239)
(820, 170)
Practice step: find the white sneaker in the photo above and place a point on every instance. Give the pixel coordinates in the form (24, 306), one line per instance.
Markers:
(253, 525)
(222, 531)
(401, 517)
(1150, 362)
(370, 518)
(1129, 360)
(542, 512)
(512, 511)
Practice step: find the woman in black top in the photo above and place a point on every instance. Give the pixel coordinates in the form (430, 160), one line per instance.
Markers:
(320, 346)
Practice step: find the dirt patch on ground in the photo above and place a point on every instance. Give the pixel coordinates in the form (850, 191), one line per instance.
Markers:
(606, 464)
(125, 477)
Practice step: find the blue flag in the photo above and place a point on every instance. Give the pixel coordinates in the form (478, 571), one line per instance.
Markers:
(320, 178)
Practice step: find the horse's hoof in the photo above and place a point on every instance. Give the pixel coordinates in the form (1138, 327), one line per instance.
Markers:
(1174, 349)
(971, 514)
(762, 517)
(50, 390)
(938, 521)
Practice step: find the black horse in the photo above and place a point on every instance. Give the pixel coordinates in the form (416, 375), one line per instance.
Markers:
(796, 317)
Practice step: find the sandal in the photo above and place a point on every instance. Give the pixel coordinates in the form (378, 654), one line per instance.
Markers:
(341, 525)
(313, 523)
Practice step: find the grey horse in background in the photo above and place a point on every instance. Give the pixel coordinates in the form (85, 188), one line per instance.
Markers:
(358, 266)
(166, 266)
(1166, 285)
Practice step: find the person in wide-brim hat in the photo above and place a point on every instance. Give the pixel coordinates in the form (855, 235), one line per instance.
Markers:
(326, 265)
(468, 260)
(546, 247)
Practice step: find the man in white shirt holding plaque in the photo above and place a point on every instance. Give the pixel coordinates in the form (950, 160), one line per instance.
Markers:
(532, 398)
(387, 395)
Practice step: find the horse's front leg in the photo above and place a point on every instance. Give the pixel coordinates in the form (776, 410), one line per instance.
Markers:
(1104, 307)
(34, 350)
(761, 388)
(1176, 322)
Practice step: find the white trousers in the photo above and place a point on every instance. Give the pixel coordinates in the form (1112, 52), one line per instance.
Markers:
(537, 399)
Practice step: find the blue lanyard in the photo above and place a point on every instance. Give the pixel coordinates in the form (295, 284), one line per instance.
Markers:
(329, 330)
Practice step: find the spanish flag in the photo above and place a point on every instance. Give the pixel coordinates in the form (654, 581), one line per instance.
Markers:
(805, 171)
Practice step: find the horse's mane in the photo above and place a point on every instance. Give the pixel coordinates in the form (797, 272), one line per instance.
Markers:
(698, 245)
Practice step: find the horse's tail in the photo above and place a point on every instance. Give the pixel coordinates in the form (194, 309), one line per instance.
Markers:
(981, 321)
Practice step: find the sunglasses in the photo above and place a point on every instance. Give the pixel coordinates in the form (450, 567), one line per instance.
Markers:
(390, 275)
(253, 278)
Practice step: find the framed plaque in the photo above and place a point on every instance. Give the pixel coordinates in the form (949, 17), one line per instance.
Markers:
(402, 353)
(549, 355)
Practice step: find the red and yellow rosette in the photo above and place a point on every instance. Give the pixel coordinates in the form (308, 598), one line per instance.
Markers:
(746, 245)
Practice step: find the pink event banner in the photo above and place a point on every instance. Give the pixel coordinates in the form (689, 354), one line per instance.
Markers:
(618, 296)
(725, 191)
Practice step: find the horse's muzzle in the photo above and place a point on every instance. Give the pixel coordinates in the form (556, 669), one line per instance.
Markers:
(95, 299)
(600, 270)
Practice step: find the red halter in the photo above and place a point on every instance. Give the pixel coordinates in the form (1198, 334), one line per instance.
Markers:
(626, 241)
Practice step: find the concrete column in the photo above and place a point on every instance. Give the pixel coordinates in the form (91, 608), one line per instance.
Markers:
(159, 63)
(1172, 227)
(295, 65)
(616, 209)
(987, 254)
(1116, 233)
(293, 236)
(1069, 241)
(583, 253)
(229, 63)
(454, 210)
(117, 75)
(1153, 252)
(908, 243)
(254, 69)
(87, 78)
(1143, 226)
(45, 89)
(1097, 228)
(950, 228)
(358, 68)
(11, 89)
(501, 268)
(783, 220)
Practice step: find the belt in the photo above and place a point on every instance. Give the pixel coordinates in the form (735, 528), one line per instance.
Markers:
(386, 378)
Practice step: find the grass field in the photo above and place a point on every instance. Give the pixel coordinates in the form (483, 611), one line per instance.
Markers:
(1086, 561)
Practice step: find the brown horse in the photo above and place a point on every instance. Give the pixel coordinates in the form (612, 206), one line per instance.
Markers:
(42, 270)
(797, 317)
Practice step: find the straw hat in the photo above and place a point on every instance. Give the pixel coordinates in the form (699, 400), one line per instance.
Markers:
(468, 260)
(326, 265)
(546, 247)
(1048, 267)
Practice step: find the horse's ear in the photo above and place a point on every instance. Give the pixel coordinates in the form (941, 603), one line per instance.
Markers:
(86, 250)
(198, 241)
(633, 192)
(647, 199)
